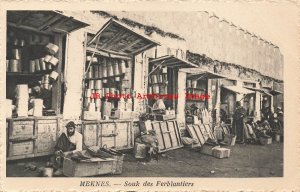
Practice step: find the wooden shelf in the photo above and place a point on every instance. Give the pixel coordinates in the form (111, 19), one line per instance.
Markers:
(26, 74)
(196, 100)
(196, 88)
(158, 84)
(107, 77)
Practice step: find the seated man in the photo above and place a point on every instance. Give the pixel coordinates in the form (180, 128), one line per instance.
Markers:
(68, 143)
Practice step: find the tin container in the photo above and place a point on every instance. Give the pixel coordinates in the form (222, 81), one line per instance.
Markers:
(96, 71)
(42, 64)
(31, 66)
(46, 86)
(37, 65)
(52, 48)
(194, 84)
(100, 71)
(140, 150)
(88, 58)
(22, 43)
(155, 89)
(154, 79)
(7, 65)
(49, 66)
(54, 61)
(91, 84)
(16, 53)
(98, 84)
(110, 71)
(14, 65)
(116, 67)
(117, 79)
(150, 90)
(88, 93)
(47, 58)
(188, 83)
(37, 107)
(122, 66)
(104, 68)
(53, 75)
(48, 172)
(94, 60)
(159, 78)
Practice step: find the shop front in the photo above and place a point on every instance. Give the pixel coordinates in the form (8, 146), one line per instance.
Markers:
(35, 63)
(108, 86)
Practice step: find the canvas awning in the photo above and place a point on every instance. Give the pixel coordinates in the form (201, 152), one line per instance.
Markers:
(204, 74)
(238, 89)
(262, 91)
(172, 62)
(116, 38)
(44, 21)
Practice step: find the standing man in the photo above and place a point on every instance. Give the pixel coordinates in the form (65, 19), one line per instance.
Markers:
(238, 122)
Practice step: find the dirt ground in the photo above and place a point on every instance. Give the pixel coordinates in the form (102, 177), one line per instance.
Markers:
(246, 160)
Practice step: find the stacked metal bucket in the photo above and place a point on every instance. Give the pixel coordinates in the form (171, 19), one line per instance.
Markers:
(22, 96)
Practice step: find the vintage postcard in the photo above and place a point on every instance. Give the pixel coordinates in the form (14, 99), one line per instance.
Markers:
(149, 96)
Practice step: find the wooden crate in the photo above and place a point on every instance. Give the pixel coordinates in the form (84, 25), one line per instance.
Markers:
(168, 135)
(21, 128)
(112, 134)
(89, 133)
(93, 167)
(38, 137)
(18, 150)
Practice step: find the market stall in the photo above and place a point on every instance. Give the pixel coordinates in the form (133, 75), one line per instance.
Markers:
(108, 85)
(36, 43)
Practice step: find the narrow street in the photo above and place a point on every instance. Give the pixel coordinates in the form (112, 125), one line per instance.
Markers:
(245, 161)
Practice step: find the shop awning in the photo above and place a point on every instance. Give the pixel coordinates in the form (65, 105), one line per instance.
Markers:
(258, 90)
(172, 62)
(272, 91)
(116, 38)
(44, 21)
(276, 92)
(204, 75)
(238, 89)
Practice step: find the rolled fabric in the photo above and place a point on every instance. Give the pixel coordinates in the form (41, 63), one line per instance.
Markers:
(110, 71)
(52, 48)
(189, 83)
(98, 84)
(100, 71)
(88, 93)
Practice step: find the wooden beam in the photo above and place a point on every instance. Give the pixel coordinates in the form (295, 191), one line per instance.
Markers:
(131, 44)
(106, 54)
(116, 39)
(22, 19)
(120, 33)
(143, 48)
(50, 21)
